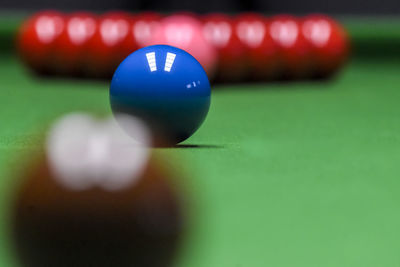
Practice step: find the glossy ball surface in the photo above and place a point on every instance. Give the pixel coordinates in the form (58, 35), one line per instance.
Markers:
(185, 32)
(166, 87)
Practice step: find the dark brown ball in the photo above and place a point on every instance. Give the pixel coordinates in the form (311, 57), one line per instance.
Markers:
(138, 225)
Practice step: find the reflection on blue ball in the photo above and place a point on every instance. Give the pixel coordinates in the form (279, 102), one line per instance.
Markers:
(166, 87)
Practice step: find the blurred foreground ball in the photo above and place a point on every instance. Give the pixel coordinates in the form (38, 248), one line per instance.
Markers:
(165, 87)
(94, 198)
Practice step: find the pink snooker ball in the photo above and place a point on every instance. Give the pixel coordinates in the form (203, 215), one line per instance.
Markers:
(185, 32)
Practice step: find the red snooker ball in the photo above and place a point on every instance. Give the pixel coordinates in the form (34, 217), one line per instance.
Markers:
(143, 27)
(329, 42)
(293, 48)
(219, 30)
(71, 46)
(253, 30)
(186, 33)
(104, 49)
(35, 42)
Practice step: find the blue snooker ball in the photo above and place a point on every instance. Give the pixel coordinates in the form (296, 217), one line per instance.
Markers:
(164, 86)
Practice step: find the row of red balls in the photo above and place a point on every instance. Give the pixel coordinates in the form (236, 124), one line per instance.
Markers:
(230, 48)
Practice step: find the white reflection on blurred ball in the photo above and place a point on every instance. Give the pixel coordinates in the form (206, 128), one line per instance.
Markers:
(86, 152)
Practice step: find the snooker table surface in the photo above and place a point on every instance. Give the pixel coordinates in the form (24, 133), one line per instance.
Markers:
(282, 174)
